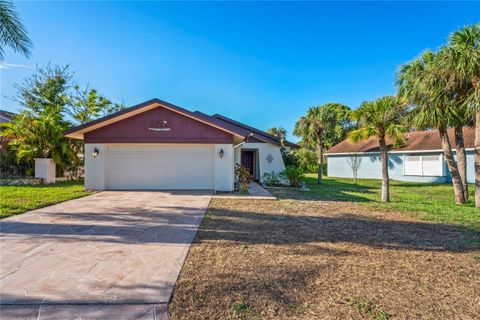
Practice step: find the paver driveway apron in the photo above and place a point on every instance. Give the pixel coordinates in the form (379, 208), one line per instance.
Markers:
(113, 247)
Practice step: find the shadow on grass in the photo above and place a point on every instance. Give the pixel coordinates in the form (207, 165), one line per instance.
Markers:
(329, 190)
(279, 229)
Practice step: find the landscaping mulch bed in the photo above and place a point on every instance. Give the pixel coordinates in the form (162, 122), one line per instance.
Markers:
(295, 259)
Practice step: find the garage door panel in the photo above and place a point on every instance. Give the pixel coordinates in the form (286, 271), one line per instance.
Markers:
(161, 167)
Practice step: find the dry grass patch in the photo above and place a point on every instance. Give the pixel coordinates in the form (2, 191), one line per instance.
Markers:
(294, 259)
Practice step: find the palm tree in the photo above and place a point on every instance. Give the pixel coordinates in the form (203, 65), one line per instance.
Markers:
(278, 132)
(12, 31)
(318, 124)
(424, 84)
(461, 64)
(382, 119)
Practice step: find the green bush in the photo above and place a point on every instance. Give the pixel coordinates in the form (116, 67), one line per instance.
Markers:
(289, 157)
(293, 175)
(271, 179)
(307, 160)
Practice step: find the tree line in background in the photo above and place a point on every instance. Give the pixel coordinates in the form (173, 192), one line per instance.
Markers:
(437, 90)
(50, 102)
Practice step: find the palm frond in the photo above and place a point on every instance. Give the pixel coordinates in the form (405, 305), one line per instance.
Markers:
(12, 32)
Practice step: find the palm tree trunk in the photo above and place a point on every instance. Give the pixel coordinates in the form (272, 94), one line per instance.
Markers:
(385, 178)
(461, 159)
(452, 166)
(320, 161)
(477, 158)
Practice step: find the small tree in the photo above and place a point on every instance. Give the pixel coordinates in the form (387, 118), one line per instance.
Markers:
(37, 132)
(421, 82)
(354, 162)
(381, 119)
(278, 132)
(321, 125)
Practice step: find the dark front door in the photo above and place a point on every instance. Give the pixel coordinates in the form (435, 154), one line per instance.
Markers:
(247, 160)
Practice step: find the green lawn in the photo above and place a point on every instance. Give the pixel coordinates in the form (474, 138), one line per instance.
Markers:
(433, 202)
(18, 199)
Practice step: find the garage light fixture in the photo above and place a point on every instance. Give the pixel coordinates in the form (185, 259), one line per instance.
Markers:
(220, 153)
(95, 152)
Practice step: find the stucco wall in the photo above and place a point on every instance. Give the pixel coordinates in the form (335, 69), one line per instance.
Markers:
(370, 168)
(264, 149)
(96, 168)
(224, 175)
(95, 178)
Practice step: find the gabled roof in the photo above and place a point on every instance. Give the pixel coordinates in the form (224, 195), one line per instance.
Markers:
(77, 132)
(416, 141)
(218, 121)
(256, 133)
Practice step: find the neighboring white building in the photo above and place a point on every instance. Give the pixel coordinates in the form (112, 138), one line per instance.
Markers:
(421, 159)
(157, 145)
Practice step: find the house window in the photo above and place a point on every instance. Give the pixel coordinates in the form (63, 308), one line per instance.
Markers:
(417, 165)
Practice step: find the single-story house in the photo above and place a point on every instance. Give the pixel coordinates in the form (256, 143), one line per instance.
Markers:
(6, 116)
(158, 145)
(420, 159)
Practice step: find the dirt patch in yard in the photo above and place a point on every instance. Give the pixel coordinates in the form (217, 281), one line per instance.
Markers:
(294, 259)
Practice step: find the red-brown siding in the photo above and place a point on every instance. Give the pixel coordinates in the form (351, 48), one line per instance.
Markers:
(135, 130)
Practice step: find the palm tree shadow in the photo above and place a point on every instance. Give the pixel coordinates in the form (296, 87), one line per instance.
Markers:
(329, 190)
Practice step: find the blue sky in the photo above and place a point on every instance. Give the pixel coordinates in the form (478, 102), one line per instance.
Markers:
(262, 63)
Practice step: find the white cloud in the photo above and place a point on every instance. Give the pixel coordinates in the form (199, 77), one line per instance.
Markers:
(5, 65)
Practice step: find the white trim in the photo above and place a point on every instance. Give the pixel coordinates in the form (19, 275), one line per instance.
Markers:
(421, 166)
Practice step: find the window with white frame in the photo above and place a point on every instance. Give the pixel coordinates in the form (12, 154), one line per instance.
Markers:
(423, 165)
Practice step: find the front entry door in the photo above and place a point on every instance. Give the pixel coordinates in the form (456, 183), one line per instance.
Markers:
(247, 160)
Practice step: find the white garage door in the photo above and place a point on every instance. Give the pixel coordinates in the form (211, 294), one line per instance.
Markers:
(166, 166)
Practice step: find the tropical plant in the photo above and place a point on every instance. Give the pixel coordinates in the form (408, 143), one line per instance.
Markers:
(293, 175)
(49, 101)
(38, 130)
(278, 132)
(271, 179)
(381, 119)
(306, 159)
(424, 84)
(87, 104)
(321, 127)
(12, 32)
(289, 157)
(243, 177)
(460, 63)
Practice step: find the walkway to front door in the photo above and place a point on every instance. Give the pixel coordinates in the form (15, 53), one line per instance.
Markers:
(112, 255)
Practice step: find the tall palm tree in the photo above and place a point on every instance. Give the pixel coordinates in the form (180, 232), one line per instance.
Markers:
(424, 84)
(382, 119)
(278, 132)
(318, 123)
(12, 32)
(461, 63)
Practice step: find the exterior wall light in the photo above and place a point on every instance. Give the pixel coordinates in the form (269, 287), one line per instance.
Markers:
(220, 153)
(95, 152)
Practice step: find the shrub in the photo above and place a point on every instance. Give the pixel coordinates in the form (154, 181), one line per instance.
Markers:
(243, 177)
(307, 160)
(271, 179)
(290, 158)
(293, 175)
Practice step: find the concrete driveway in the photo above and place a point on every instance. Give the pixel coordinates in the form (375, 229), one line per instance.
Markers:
(112, 255)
